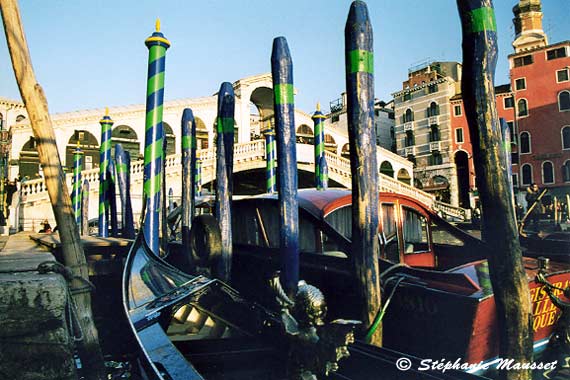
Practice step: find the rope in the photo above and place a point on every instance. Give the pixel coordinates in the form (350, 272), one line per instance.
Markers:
(380, 315)
(54, 267)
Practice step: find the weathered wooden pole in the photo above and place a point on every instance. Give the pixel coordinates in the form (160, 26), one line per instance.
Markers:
(270, 160)
(157, 45)
(104, 161)
(224, 167)
(319, 134)
(85, 208)
(508, 163)
(73, 256)
(359, 59)
(508, 277)
(112, 198)
(123, 166)
(76, 187)
(284, 107)
(188, 177)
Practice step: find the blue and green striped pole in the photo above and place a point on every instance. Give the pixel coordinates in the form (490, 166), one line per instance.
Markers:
(324, 173)
(284, 107)
(270, 160)
(76, 189)
(359, 61)
(224, 168)
(85, 208)
(123, 167)
(105, 159)
(198, 176)
(112, 199)
(153, 152)
(319, 133)
(188, 177)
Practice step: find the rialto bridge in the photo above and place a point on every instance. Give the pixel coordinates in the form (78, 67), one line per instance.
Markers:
(253, 112)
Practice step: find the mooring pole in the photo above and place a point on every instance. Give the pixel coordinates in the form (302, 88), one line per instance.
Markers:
(104, 160)
(85, 208)
(324, 173)
(76, 188)
(188, 177)
(508, 277)
(153, 152)
(270, 160)
(284, 107)
(319, 134)
(72, 252)
(198, 176)
(112, 198)
(123, 166)
(359, 59)
(508, 163)
(224, 167)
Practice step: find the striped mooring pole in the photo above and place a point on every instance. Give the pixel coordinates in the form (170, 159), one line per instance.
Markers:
(123, 168)
(104, 161)
(270, 160)
(198, 176)
(224, 168)
(157, 45)
(284, 107)
(324, 173)
(76, 188)
(188, 174)
(359, 63)
(112, 198)
(319, 132)
(85, 208)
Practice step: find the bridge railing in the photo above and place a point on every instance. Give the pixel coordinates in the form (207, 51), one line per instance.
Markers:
(250, 151)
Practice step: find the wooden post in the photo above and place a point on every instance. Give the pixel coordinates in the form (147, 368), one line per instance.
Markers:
(36, 105)
(85, 208)
(359, 58)
(188, 174)
(508, 276)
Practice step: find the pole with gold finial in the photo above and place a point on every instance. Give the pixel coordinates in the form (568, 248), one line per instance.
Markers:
(319, 132)
(104, 160)
(157, 45)
(76, 188)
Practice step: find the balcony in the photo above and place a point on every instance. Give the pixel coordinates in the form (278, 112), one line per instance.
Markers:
(433, 120)
(409, 126)
(435, 146)
(411, 150)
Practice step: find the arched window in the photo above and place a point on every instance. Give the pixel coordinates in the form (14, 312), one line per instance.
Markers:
(566, 137)
(547, 172)
(434, 134)
(20, 118)
(386, 168)
(526, 174)
(409, 140)
(564, 101)
(522, 107)
(433, 109)
(566, 171)
(525, 142)
(408, 116)
(345, 152)
(330, 144)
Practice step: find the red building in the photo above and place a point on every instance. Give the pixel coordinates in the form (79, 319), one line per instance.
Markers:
(536, 106)
(461, 141)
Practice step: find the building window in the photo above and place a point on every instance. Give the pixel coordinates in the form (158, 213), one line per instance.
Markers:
(566, 171)
(522, 106)
(457, 110)
(515, 158)
(523, 61)
(409, 140)
(556, 53)
(547, 172)
(20, 118)
(525, 142)
(566, 137)
(520, 84)
(335, 118)
(435, 159)
(434, 134)
(459, 135)
(526, 174)
(432, 88)
(407, 96)
(511, 125)
(564, 101)
(515, 180)
(412, 159)
(408, 116)
(562, 76)
(509, 102)
(433, 109)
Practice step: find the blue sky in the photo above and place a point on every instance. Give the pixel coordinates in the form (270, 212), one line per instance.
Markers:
(91, 53)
